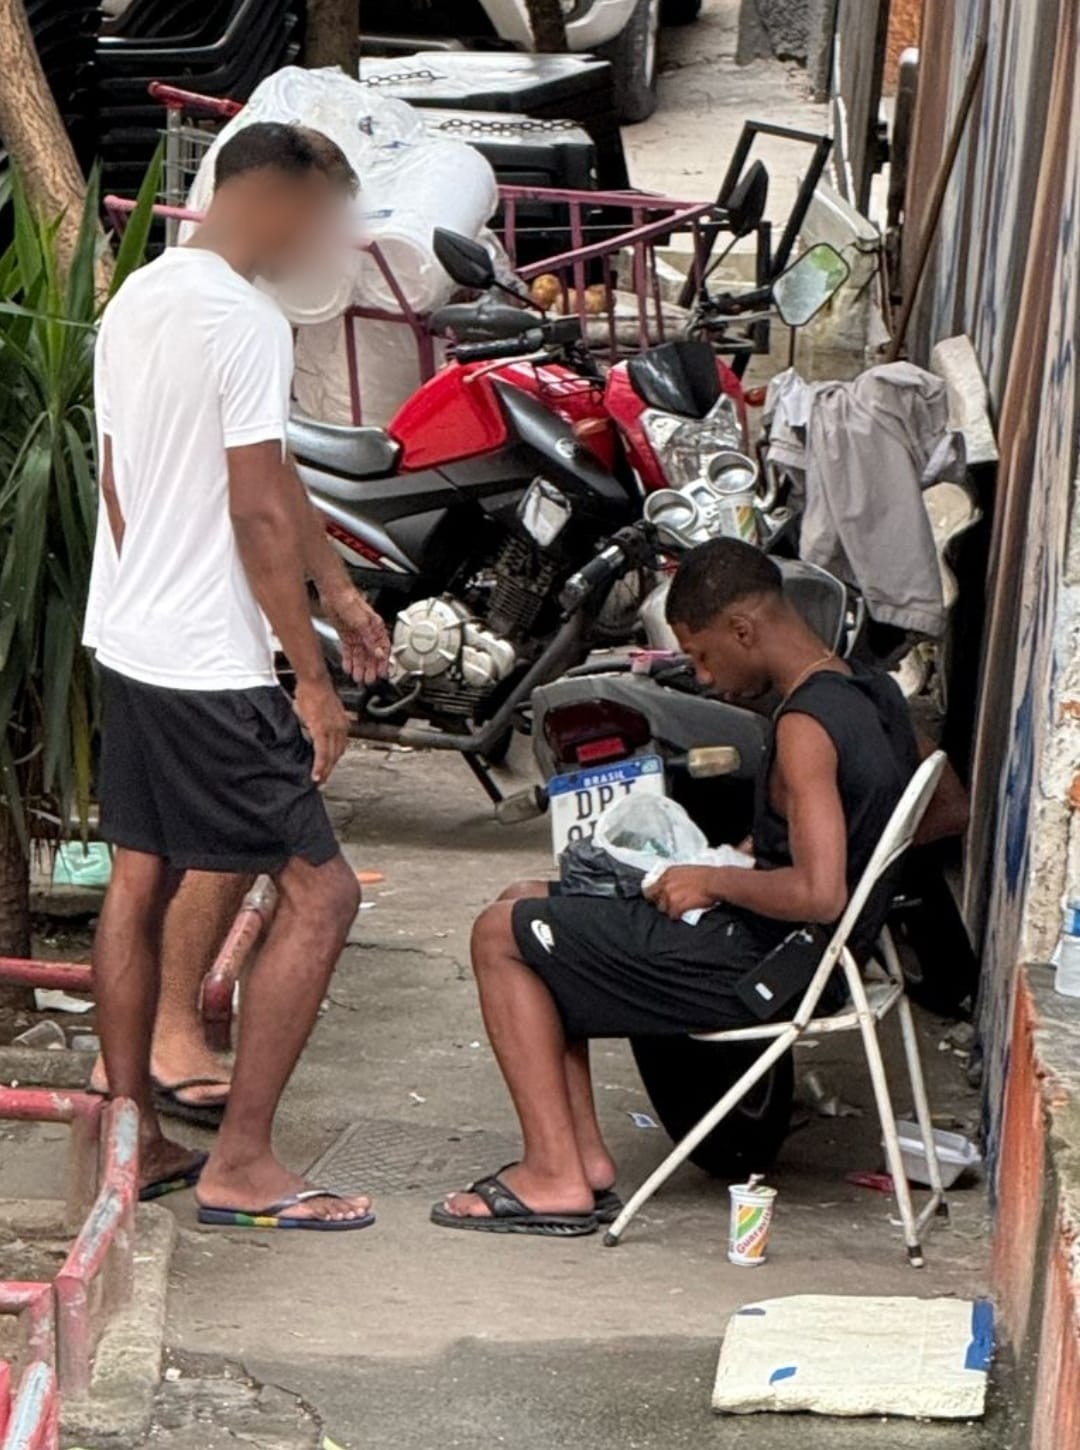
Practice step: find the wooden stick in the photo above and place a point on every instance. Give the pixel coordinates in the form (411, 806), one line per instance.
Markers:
(937, 196)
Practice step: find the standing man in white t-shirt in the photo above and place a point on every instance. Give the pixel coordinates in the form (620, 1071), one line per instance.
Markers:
(205, 545)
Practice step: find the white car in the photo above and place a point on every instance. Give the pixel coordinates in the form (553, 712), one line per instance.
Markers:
(625, 32)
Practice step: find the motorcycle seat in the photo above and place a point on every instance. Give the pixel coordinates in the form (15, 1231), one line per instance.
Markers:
(349, 452)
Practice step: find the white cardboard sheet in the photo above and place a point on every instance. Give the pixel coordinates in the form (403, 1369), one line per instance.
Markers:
(840, 1355)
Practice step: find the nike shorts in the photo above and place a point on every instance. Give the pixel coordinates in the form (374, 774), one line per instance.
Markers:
(216, 780)
(619, 968)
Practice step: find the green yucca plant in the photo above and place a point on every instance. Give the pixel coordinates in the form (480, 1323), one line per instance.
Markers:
(48, 508)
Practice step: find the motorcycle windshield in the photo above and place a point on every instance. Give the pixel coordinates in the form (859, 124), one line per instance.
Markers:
(677, 377)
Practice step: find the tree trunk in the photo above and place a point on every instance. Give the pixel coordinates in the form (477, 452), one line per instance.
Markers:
(34, 134)
(14, 891)
(333, 34)
(548, 25)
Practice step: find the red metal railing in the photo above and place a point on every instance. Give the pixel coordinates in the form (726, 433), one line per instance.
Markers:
(97, 1276)
(219, 984)
(33, 1304)
(34, 1421)
(68, 976)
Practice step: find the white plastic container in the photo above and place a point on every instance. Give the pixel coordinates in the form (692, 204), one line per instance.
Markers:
(956, 1154)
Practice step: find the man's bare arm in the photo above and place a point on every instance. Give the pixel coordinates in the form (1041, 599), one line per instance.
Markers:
(109, 495)
(949, 809)
(322, 563)
(262, 505)
(814, 886)
(365, 648)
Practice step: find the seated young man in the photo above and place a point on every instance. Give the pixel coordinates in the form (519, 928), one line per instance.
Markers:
(555, 970)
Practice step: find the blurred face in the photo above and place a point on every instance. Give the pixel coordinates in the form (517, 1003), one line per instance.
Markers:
(727, 654)
(303, 220)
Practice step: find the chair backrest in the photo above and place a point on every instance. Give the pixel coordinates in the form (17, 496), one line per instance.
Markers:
(895, 839)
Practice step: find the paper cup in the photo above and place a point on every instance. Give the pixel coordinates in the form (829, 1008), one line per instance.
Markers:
(751, 1217)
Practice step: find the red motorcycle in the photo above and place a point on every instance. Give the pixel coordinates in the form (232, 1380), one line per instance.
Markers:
(494, 484)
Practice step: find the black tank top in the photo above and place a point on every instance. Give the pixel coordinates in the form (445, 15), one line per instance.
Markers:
(867, 719)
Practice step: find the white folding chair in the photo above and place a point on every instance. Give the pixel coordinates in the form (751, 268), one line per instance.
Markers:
(871, 1003)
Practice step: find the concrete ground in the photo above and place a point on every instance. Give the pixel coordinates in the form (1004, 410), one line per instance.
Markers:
(409, 1336)
(705, 96)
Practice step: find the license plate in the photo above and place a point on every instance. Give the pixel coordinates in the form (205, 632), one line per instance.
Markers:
(577, 800)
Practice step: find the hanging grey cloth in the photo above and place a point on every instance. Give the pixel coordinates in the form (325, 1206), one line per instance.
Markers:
(862, 452)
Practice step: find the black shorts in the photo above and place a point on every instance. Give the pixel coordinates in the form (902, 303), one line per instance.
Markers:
(216, 780)
(624, 969)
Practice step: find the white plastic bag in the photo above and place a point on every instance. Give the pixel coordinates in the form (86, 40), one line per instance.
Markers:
(653, 832)
(647, 831)
(710, 856)
(411, 183)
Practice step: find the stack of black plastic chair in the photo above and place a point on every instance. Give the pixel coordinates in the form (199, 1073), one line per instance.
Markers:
(215, 47)
(63, 32)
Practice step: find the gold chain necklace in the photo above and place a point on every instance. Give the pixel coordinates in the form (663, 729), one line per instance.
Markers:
(802, 678)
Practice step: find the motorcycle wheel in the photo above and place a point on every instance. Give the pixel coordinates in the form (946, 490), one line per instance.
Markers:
(684, 1079)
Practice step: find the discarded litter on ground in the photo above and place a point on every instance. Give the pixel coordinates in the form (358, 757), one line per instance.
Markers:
(752, 1206)
(51, 999)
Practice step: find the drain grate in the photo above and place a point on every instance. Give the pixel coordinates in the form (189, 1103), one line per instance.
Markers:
(390, 1155)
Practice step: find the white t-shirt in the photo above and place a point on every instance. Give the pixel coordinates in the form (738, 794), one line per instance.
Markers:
(191, 360)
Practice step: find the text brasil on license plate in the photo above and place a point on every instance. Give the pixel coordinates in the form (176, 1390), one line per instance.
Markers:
(577, 800)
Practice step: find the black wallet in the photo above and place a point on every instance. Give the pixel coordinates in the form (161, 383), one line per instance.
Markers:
(784, 974)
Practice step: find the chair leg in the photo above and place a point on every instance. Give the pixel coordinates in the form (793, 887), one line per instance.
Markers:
(901, 1187)
(686, 1146)
(938, 1201)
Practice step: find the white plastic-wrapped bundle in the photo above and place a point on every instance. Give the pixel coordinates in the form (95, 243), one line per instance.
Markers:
(359, 120)
(411, 183)
(387, 369)
(411, 188)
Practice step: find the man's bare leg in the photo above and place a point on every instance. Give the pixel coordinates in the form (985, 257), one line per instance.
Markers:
(126, 955)
(196, 922)
(597, 1160)
(527, 1037)
(599, 1165)
(282, 995)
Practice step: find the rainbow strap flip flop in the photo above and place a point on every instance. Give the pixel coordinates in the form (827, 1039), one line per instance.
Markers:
(161, 1186)
(273, 1216)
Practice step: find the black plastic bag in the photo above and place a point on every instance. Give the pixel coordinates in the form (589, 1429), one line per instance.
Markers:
(586, 869)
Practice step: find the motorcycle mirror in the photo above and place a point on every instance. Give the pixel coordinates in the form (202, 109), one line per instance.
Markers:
(705, 761)
(745, 203)
(465, 262)
(808, 284)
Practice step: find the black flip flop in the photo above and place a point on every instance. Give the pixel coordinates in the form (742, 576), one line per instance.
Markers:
(169, 1103)
(608, 1205)
(508, 1215)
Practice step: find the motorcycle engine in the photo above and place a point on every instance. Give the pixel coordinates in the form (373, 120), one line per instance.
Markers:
(456, 659)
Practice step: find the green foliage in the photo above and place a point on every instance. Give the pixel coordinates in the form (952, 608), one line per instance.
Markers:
(48, 505)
